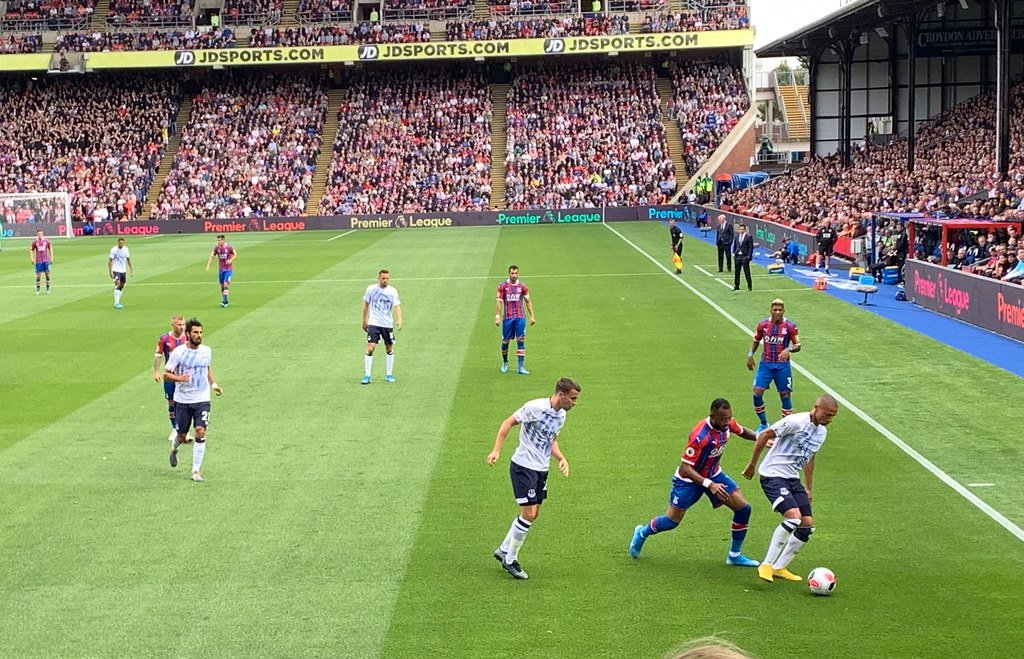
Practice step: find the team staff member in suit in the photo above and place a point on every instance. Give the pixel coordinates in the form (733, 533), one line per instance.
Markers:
(743, 252)
(724, 241)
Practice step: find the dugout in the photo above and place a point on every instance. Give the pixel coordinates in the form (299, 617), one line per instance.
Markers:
(950, 230)
(879, 68)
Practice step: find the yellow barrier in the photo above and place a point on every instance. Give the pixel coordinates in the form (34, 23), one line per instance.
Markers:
(627, 43)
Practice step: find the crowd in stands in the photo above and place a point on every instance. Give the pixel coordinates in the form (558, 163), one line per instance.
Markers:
(410, 142)
(437, 10)
(585, 136)
(727, 18)
(710, 98)
(338, 11)
(192, 39)
(149, 12)
(249, 149)
(954, 175)
(20, 44)
(528, 28)
(533, 6)
(100, 139)
(339, 35)
(253, 12)
(47, 14)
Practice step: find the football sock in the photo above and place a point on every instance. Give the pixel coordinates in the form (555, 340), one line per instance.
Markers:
(367, 363)
(117, 296)
(197, 453)
(504, 351)
(170, 413)
(519, 529)
(779, 538)
(520, 352)
(787, 404)
(658, 525)
(389, 360)
(759, 408)
(795, 543)
(740, 518)
(224, 298)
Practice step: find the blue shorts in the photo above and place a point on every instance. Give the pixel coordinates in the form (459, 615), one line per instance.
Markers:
(529, 486)
(169, 391)
(781, 373)
(385, 335)
(786, 494)
(120, 278)
(513, 328)
(42, 267)
(195, 415)
(225, 277)
(686, 493)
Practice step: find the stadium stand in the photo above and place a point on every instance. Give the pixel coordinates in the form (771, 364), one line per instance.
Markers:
(20, 43)
(36, 15)
(434, 10)
(99, 139)
(192, 38)
(253, 12)
(249, 148)
(954, 176)
(520, 7)
(137, 13)
(412, 143)
(710, 98)
(586, 136)
(337, 35)
(566, 26)
(316, 11)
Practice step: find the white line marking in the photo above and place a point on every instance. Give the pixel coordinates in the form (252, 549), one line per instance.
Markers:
(718, 279)
(341, 235)
(885, 432)
(980, 484)
(206, 282)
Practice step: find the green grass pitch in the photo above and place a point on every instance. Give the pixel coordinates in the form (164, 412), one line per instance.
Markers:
(346, 520)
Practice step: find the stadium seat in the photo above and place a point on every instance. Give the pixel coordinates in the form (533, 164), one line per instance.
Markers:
(866, 285)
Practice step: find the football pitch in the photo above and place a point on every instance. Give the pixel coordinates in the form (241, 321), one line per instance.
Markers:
(346, 520)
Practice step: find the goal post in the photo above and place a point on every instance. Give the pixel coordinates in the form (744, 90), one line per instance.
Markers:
(20, 211)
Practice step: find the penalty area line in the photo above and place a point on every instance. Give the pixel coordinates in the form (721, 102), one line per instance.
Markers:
(996, 516)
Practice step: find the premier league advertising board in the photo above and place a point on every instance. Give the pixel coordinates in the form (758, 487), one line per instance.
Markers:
(988, 303)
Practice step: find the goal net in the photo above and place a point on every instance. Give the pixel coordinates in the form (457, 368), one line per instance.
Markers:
(27, 208)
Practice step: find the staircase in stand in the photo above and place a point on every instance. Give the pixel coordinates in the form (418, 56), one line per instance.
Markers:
(481, 10)
(673, 136)
(323, 161)
(289, 9)
(98, 22)
(499, 144)
(167, 161)
(796, 109)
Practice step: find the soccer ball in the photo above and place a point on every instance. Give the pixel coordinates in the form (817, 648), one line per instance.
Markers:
(821, 581)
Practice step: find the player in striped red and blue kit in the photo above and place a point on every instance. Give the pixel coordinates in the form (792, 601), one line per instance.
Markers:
(41, 255)
(699, 475)
(512, 296)
(165, 345)
(780, 339)
(225, 255)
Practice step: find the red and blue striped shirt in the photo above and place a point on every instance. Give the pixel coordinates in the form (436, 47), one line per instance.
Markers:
(775, 337)
(706, 446)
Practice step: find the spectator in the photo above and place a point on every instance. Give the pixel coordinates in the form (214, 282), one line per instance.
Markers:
(533, 28)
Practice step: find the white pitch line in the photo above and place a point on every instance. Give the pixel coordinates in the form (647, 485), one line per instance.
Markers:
(341, 235)
(997, 516)
(980, 484)
(205, 282)
(718, 279)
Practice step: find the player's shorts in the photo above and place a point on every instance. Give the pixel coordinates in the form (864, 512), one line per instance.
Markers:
(43, 267)
(513, 328)
(529, 486)
(385, 335)
(169, 390)
(196, 415)
(781, 373)
(686, 493)
(786, 494)
(120, 278)
(224, 276)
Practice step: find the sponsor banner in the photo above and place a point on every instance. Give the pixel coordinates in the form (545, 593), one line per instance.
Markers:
(662, 41)
(987, 303)
(767, 234)
(29, 62)
(964, 41)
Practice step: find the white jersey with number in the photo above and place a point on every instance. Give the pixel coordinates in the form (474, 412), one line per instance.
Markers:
(197, 364)
(119, 259)
(539, 427)
(382, 302)
(797, 439)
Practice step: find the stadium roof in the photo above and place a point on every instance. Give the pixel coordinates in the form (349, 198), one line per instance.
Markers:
(854, 17)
